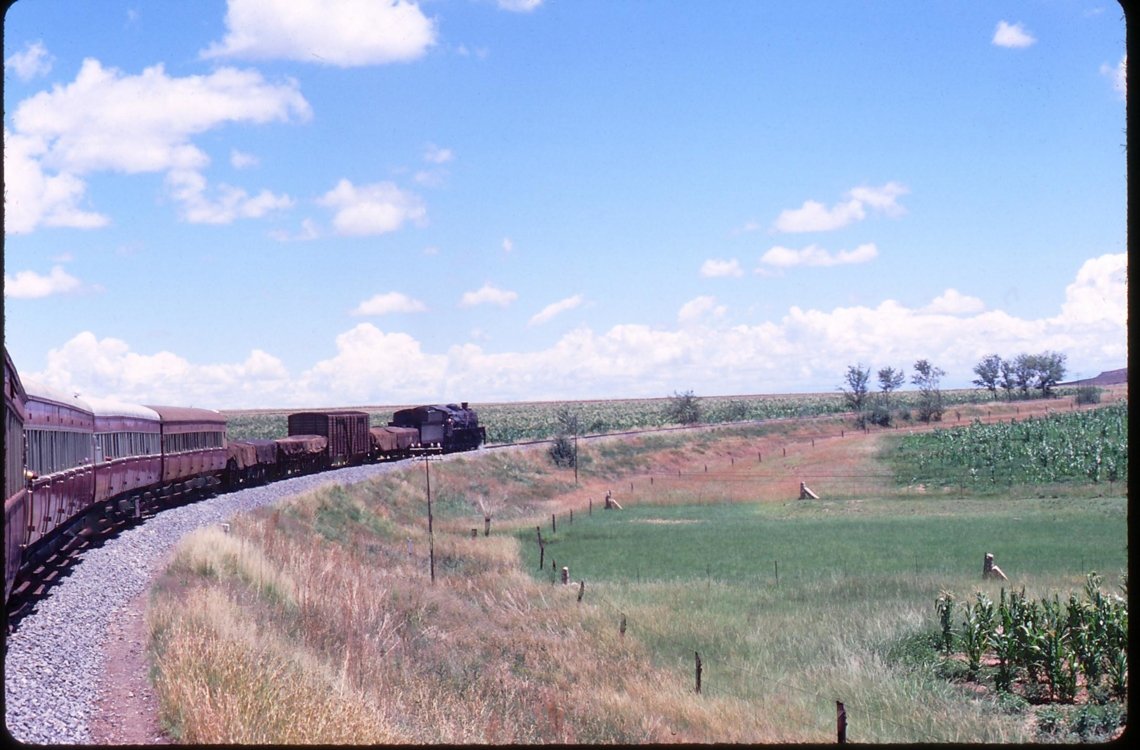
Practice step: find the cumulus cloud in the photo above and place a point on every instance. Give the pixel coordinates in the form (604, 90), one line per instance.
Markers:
(813, 255)
(228, 203)
(715, 267)
(519, 6)
(372, 209)
(342, 33)
(1012, 35)
(488, 295)
(805, 349)
(556, 308)
(107, 368)
(31, 285)
(1099, 295)
(389, 302)
(953, 302)
(700, 309)
(814, 216)
(106, 120)
(434, 154)
(33, 62)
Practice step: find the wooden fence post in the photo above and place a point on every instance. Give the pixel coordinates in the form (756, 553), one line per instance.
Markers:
(581, 590)
(698, 656)
(840, 723)
(621, 627)
(553, 525)
(486, 526)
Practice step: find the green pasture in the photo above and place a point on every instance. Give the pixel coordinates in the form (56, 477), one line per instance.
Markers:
(807, 541)
(795, 606)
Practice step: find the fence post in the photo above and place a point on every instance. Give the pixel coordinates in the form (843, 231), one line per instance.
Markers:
(698, 656)
(486, 526)
(840, 723)
(553, 525)
(581, 590)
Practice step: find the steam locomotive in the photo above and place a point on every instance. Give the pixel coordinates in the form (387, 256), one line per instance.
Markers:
(70, 462)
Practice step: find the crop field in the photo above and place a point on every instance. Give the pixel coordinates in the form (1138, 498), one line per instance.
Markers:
(519, 422)
(1061, 447)
(337, 617)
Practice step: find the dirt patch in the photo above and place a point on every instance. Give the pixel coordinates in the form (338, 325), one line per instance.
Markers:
(126, 707)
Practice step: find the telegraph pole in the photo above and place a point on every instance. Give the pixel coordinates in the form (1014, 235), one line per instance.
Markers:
(431, 535)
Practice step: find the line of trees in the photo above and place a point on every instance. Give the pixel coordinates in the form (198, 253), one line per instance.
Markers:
(877, 408)
(1041, 372)
(1018, 377)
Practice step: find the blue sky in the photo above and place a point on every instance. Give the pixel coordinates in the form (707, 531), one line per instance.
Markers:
(291, 203)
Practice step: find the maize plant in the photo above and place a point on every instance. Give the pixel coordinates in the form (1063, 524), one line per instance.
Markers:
(1045, 645)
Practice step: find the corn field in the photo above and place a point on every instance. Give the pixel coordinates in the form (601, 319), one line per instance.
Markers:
(1045, 649)
(1087, 446)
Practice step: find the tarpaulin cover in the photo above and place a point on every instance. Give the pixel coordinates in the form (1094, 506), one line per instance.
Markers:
(389, 439)
(299, 445)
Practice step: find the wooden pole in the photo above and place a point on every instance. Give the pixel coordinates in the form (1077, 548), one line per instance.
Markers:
(581, 590)
(553, 525)
(486, 526)
(840, 723)
(698, 657)
(431, 534)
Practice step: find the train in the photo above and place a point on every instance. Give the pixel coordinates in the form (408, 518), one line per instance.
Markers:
(72, 463)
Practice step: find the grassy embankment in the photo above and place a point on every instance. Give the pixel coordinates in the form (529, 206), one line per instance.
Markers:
(317, 622)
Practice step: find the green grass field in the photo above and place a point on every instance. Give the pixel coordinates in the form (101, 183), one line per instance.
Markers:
(807, 541)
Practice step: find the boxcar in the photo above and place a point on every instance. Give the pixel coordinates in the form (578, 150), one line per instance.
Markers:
(193, 447)
(15, 483)
(346, 431)
(59, 429)
(128, 448)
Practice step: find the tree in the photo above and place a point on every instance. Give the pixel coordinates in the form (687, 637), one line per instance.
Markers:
(563, 451)
(928, 377)
(890, 380)
(855, 386)
(1023, 372)
(683, 408)
(988, 371)
(1049, 370)
(1008, 380)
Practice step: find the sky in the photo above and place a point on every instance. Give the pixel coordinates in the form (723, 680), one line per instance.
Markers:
(297, 203)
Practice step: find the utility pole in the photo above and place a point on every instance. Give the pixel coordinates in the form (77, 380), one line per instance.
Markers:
(431, 535)
(575, 458)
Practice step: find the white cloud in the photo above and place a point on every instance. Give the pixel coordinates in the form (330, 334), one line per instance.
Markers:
(488, 295)
(813, 216)
(242, 160)
(519, 6)
(1099, 295)
(803, 350)
(556, 308)
(813, 255)
(33, 62)
(700, 309)
(1118, 75)
(508, 245)
(307, 232)
(434, 154)
(372, 209)
(31, 285)
(953, 302)
(715, 267)
(1012, 35)
(107, 368)
(108, 121)
(343, 33)
(389, 302)
(33, 198)
(188, 187)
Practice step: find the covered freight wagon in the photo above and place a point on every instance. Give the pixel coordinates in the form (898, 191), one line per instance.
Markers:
(346, 432)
